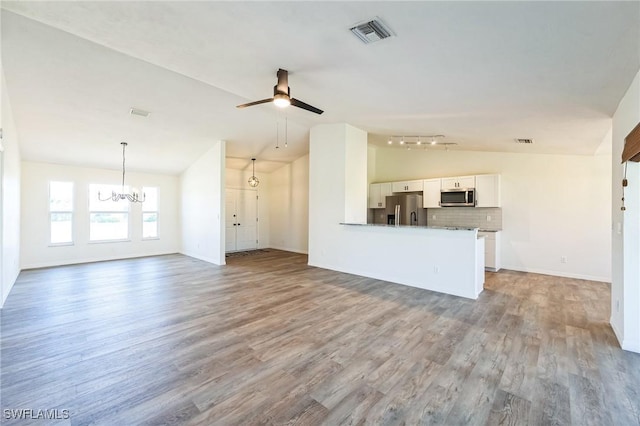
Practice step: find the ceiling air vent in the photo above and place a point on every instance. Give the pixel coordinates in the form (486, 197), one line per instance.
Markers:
(138, 111)
(371, 31)
(524, 140)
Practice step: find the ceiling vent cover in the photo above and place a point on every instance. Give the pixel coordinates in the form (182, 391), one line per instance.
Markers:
(138, 111)
(371, 31)
(524, 140)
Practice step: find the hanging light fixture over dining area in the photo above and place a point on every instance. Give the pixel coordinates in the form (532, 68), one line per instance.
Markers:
(134, 197)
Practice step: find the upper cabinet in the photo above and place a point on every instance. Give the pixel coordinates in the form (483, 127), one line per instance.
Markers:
(407, 186)
(488, 191)
(431, 196)
(378, 195)
(460, 182)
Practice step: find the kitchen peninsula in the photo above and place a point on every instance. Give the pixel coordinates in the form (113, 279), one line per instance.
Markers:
(446, 260)
(439, 259)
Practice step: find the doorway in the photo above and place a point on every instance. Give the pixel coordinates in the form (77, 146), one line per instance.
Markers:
(241, 219)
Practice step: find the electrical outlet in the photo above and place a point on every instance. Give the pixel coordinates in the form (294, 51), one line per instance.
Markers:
(563, 259)
(488, 218)
(436, 269)
(433, 217)
(617, 306)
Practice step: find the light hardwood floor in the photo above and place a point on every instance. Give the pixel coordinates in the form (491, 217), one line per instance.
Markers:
(270, 340)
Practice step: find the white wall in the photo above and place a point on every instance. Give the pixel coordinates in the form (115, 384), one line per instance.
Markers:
(289, 206)
(202, 209)
(553, 205)
(36, 250)
(238, 179)
(10, 204)
(625, 286)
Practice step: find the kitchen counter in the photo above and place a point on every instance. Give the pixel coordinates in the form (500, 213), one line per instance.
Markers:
(450, 228)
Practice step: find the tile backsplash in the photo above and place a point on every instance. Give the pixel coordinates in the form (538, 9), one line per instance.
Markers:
(476, 217)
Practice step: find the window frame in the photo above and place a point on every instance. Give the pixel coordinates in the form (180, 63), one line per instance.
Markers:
(70, 212)
(90, 212)
(156, 211)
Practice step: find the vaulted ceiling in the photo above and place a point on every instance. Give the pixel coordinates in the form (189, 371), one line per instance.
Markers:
(479, 73)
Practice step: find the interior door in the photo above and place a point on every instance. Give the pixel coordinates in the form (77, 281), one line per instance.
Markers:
(230, 220)
(247, 210)
(241, 219)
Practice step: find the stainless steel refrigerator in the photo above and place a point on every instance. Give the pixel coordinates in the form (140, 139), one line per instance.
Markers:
(411, 211)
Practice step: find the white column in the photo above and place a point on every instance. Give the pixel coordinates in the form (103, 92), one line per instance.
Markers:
(337, 183)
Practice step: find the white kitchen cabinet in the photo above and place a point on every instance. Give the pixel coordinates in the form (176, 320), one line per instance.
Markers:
(459, 182)
(488, 191)
(431, 196)
(407, 186)
(377, 195)
(492, 258)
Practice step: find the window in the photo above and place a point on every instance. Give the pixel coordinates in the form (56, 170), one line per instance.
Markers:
(61, 212)
(108, 220)
(150, 213)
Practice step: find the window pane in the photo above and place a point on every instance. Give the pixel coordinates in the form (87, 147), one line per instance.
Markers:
(109, 226)
(151, 199)
(109, 205)
(61, 228)
(61, 196)
(149, 225)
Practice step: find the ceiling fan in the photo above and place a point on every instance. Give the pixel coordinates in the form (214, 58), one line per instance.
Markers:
(281, 95)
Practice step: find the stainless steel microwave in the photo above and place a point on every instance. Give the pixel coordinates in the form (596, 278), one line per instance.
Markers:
(458, 197)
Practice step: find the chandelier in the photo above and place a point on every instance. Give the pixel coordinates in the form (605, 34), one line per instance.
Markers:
(134, 197)
(253, 180)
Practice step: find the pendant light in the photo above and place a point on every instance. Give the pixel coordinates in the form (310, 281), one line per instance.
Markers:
(134, 197)
(253, 180)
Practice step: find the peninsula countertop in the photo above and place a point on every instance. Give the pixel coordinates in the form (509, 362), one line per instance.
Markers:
(450, 228)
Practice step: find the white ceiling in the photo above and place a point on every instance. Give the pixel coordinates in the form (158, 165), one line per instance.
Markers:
(480, 73)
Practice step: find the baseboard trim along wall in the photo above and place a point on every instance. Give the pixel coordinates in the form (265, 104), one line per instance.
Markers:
(91, 260)
(559, 274)
(288, 249)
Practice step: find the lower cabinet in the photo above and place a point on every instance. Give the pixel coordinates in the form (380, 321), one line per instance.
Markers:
(492, 260)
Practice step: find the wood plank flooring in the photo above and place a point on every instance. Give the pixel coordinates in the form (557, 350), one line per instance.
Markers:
(270, 340)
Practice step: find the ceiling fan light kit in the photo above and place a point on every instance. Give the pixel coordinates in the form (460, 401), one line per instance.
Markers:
(282, 95)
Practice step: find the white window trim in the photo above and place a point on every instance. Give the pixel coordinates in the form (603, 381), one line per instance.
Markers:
(156, 211)
(71, 212)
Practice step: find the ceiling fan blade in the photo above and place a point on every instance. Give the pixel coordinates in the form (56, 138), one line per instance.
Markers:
(283, 81)
(263, 101)
(308, 107)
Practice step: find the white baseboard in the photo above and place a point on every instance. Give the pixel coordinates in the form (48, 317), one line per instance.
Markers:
(631, 345)
(619, 335)
(289, 249)
(559, 274)
(91, 260)
(204, 258)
